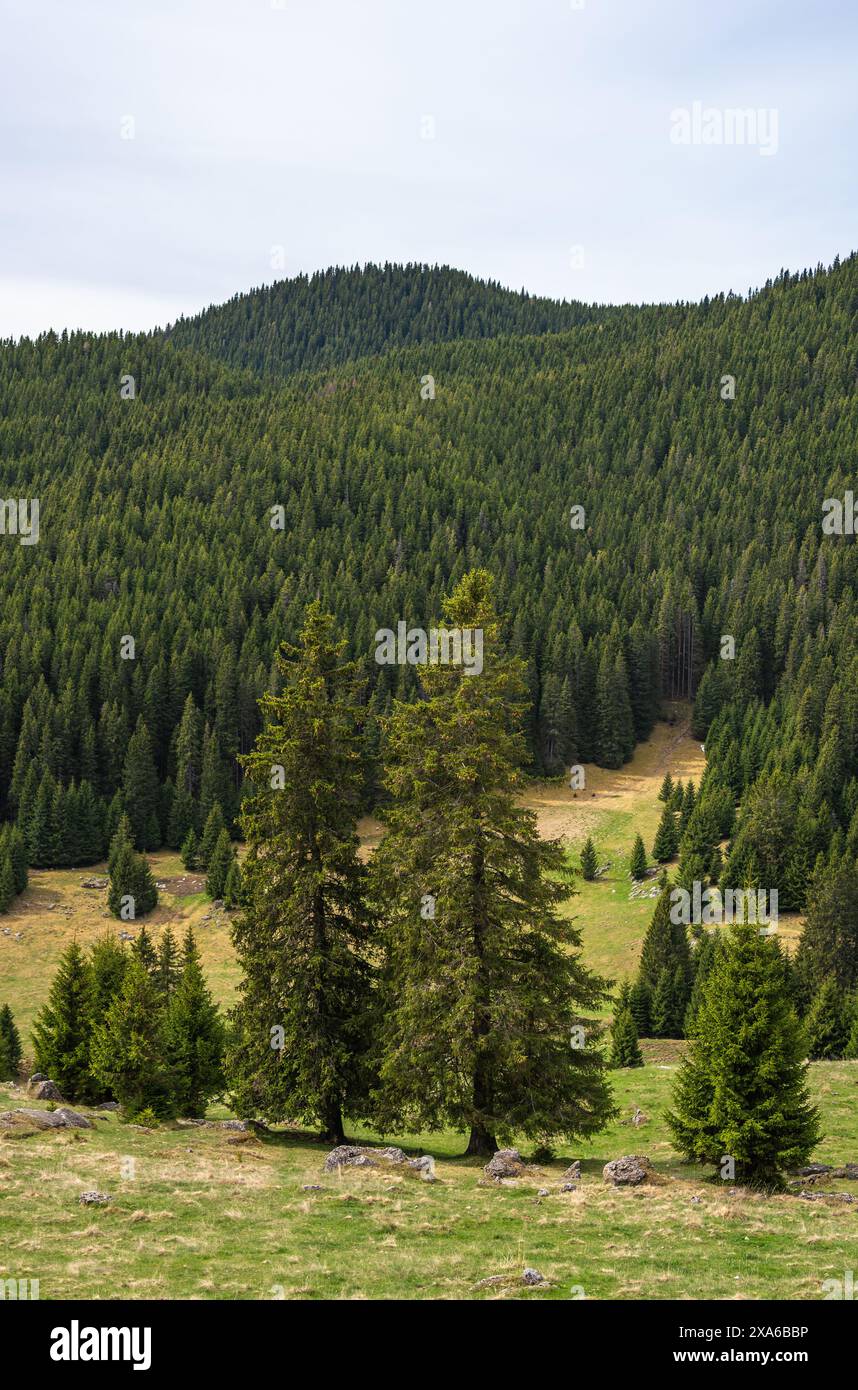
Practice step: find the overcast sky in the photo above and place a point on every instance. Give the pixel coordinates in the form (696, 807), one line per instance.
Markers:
(524, 140)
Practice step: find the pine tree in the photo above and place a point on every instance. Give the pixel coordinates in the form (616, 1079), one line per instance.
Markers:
(108, 961)
(638, 864)
(667, 838)
(828, 946)
(10, 1045)
(828, 1023)
(63, 1027)
(639, 1005)
(625, 1048)
(132, 891)
(666, 792)
(168, 970)
(220, 863)
(665, 968)
(140, 789)
(483, 984)
(7, 883)
(589, 860)
(214, 828)
(122, 838)
(127, 1050)
(232, 887)
(193, 1040)
(303, 939)
(190, 851)
(703, 961)
(143, 950)
(742, 1087)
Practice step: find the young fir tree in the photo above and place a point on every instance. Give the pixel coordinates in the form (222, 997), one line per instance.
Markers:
(121, 839)
(639, 1004)
(190, 850)
(127, 1050)
(7, 883)
(214, 828)
(193, 1039)
(143, 950)
(232, 887)
(828, 1022)
(220, 862)
(828, 946)
(625, 1048)
(168, 970)
(108, 960)
(483, 985)
(703, 961)
(302, 1029)
(666, 791)
(589, 861)
(140, 789)
(10, 1045)
(667, 838)
(742, 1087)
(638, 864)
(665, 968)
(132, 891)
(63, 1027)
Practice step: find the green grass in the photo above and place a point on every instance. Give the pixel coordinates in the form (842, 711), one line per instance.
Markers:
(197, 1217)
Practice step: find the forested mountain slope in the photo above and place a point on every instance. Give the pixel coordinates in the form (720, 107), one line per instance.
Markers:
(334, 315)
(702, 517)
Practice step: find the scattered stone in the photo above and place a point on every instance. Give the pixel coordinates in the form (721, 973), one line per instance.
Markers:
(108, 1105)
(217, 904)
(569, 1187)
(629, 1171)
(544, 1192)
(814, 1169)
(392, 1154)
(94, 882)
(46, 1090)
(573, 1172)
(94, 1199)
(240, 1125)
(532, 1276)
(312, 1187)
(639, 1118)
(37, 1076)
(505, 1163)
(425, 1165)
(347, 1156)
(61, 1118)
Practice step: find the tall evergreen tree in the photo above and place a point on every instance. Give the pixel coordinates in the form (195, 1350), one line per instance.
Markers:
(742, 1087)
(10, 1045)
(483, 984)
(63, 1027)
(303, 939)
(127, 1049)
(637, 864)
(193, 1039)
(589, 860)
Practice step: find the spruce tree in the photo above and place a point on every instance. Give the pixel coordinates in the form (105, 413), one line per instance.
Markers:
(302, 1029)
(193, 1039)
(143, 950)
(589, 860)
(665, 968)
(168, 969)
(666, 791)
(742, 1087)
(10, 1045)
(132, 891)
(639, 1005)
(140, 789)
(483, 985)
(638, 864)
(220, 863)
(232, 887)
(7, 883)
(190, 851)
(63, 1027)
(666, 839)
(127, 1049)
(828, 946)
(828, 1023)
(108, 960)
(625, 1048)
(214, 827)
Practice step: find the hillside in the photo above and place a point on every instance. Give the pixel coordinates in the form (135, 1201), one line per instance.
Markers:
(322, 320)
(700, 516)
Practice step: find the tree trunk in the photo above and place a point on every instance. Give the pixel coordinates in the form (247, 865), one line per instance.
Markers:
(481, 1144)
(332, 1124)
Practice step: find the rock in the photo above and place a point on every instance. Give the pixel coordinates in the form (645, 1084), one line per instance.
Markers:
(240, 1125)
(46, 1090)
(216, 904)
(639, 1118)
(94, 1199)
(108, 1105)
(544, 1192)
(61, 1118)
(37, 1076)
(532, 1276)
(425, 1165)
(628, 1171)
(573, 1172)
(505, 1163)
(94, 882)
(813, 1169)
(392, 1154)
(311, 1187)
(347, 1156)
(569, 1187)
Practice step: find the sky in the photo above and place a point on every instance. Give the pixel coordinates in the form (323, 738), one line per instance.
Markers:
(158, 156)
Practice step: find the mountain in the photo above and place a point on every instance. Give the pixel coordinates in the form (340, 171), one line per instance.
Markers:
(322, 320)
(702, 518)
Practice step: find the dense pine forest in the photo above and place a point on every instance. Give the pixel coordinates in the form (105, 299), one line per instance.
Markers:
(641, 483)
